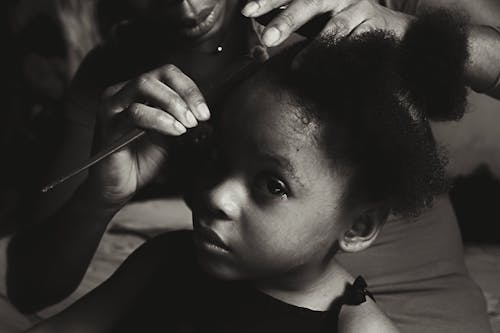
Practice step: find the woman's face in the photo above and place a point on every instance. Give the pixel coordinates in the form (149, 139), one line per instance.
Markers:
(195, 19)
(269, 207)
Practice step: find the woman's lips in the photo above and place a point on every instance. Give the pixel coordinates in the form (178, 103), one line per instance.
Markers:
(206, 24)
(209, 238)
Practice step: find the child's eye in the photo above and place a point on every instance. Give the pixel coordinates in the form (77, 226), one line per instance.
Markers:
(276, 187)
(268, 187)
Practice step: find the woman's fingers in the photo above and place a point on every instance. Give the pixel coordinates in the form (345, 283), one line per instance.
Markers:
(364, 16)
(185, 87)
(166, 88)
(296, 14)
(346, 22)
(255, 8)
(343, 23)
(160, 95)
(359, 18)
(115, 99)
(292, 18)
(148, 90)
(349, 17)
(150, 118)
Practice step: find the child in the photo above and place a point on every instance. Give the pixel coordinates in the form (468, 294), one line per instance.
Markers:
(308, 158)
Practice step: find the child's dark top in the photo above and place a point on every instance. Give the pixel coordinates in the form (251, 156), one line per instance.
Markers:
(182, 298)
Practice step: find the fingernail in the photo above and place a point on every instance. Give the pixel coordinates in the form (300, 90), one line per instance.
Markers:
(179, 127)
(271, 36)
(250, 9)
(190, 119)
(203, 111)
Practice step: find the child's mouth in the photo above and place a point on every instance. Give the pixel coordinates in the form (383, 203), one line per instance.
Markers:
(209, 239)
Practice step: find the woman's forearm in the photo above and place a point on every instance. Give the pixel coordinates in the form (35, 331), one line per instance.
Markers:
(483, 69)
(47, 261)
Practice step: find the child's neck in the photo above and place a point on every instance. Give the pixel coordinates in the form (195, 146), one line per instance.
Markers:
(314, 289)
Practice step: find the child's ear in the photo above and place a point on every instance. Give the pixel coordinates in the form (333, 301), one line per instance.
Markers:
(363, 231)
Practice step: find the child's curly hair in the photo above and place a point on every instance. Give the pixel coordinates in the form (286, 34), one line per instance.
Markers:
(375, 94)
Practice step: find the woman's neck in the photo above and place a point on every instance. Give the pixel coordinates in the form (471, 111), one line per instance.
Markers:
(314, 289)
(203, 63)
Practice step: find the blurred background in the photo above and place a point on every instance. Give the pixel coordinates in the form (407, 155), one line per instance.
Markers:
(47, 40)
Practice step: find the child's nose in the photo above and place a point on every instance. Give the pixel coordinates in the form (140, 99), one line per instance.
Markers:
(225, 199)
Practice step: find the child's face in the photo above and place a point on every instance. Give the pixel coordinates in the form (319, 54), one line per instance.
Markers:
(272, 198)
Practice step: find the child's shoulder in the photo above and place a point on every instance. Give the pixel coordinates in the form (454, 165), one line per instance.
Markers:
(167, 247)
(133, 289)
(171, 239)
(159, 254)
(365, 317)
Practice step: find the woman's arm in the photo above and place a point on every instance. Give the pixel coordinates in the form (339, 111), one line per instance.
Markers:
(483, 69)
(49, 255)
(351, 17)
(48, 259)
(99, 310)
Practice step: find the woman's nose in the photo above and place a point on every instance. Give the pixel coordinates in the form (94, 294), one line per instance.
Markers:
(225, 199)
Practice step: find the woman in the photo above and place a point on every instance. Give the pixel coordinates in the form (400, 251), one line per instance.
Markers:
(42, 248)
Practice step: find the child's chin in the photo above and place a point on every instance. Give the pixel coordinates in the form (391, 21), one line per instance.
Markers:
(219, 270)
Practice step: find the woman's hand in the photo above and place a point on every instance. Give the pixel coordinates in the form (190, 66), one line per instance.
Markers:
(166, 102)
(348, 17)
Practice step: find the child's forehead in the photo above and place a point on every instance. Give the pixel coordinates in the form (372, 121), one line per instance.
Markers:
(260, 104)
(257, 125)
